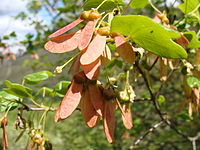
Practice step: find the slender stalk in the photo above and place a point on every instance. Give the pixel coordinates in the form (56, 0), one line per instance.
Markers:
(101, 4)
(126, 7)
(154, 7)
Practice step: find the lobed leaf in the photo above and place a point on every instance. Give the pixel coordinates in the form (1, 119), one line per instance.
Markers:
(149, 35)
(192, 37)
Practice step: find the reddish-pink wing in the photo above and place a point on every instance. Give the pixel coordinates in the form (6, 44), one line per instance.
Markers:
(63, 43)
(71, 100)
(66, 28)
(57, 115)
(74, 68)
(86, 34)
(89, 113)
(126, 115)
(92, 70)
(97, 98)
(94, 50)
(109, 120)
(124, 49)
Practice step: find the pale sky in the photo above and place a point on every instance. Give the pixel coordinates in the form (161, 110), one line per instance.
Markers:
(10, 8)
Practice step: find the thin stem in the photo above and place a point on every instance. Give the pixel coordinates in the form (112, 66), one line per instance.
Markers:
(156, 105)
(194, 10)
(8, 110)
(148, 132)
(154, 7)
(102, 20)
(60, 68)
(145, 79)
(42, 117)
(126, 7)
(156, 60)
(101, 4)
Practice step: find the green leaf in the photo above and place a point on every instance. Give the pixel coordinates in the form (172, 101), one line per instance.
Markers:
(161, 99)
(8, 96)
(138, 4)
(188, 6)
(172, 33)
(62, 87)
(108, 5)
(45, 91)
(193, 82)
(192, 37)
(149, 35)
(36, 78)
(5, 103)
(17, 89)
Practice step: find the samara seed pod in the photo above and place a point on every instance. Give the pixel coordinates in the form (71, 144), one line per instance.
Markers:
(80, 77)
(85, 15)
(104, 31)
(94, 15)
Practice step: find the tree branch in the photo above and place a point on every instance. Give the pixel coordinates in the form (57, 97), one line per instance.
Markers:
(147, 133)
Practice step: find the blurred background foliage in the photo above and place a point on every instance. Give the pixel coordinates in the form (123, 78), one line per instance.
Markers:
(72, 133)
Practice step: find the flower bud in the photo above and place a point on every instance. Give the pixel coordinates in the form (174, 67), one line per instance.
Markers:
(58, 69)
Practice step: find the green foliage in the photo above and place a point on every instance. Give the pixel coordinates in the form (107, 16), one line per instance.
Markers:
(62, 86)
(108, 5)
(148, 34)
(38, 102)
(192, 37)
(188, 6)
(193, 82)
(38, 77)
(17, 89)
(138, 4)
(7, 100)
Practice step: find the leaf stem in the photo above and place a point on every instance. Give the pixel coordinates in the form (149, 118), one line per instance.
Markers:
(101, 4)
(59, 68)
(8, 109)
(126, 7)
(154, 7)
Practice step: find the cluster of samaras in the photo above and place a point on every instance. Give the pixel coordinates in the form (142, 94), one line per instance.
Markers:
(96, 102)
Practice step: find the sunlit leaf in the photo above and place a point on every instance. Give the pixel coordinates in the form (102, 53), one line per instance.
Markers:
(38, 77)
(192, 37)
(188, 6)
(17, 89)
(193, 82)
(137, 4)
(149, 35)
(108, 5)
